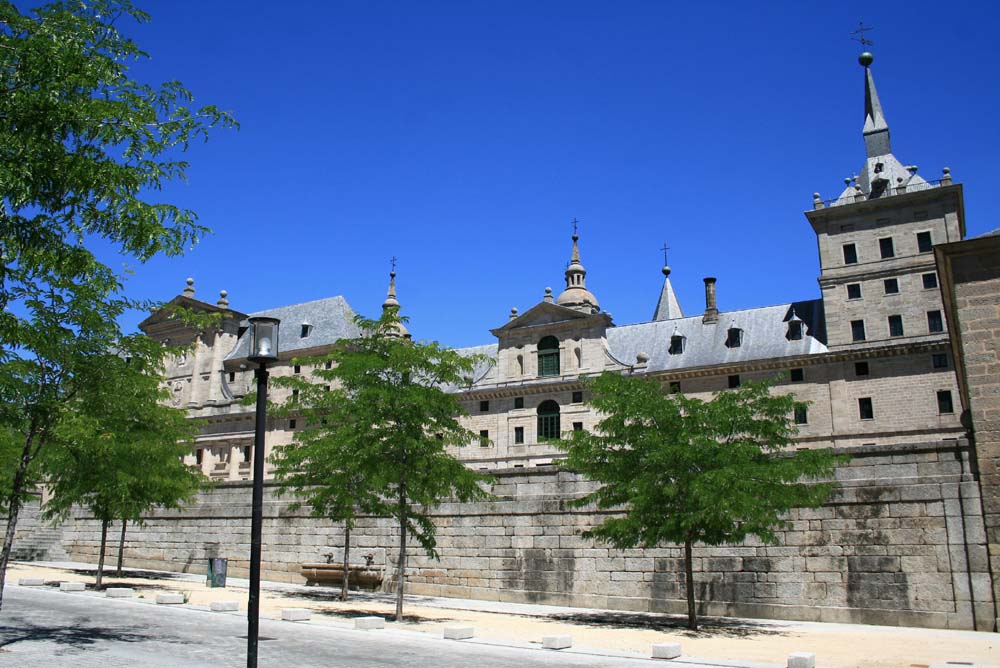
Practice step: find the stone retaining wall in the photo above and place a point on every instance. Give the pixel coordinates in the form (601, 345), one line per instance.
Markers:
(902, 542)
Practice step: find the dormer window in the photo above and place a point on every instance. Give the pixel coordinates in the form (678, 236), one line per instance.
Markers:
(548, 356)
(734, 337)
(676, 344)
(306, 329)
(794, 330)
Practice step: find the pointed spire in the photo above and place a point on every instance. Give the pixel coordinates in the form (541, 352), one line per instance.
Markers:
(392, 303)
(876, 130)
(576, 294)
(667, 307)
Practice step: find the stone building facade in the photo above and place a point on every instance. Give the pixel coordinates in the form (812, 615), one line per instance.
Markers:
(903, 541)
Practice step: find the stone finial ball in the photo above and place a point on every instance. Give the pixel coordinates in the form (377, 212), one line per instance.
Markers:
(866, 59)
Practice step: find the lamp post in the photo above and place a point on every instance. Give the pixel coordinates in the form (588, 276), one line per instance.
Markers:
(263, 349)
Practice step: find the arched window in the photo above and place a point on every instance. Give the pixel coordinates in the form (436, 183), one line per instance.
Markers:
(548, 420)
(548, 356)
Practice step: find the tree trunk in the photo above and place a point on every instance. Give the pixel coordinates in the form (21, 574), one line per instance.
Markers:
(689, 586)
(15, 506)
(121, 549)
(346, 583)
(100, 558)
(401, 571)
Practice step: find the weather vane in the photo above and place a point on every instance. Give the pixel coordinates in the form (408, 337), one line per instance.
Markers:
(574, 221)
(665, 249)
(394, 264)
(860, 32)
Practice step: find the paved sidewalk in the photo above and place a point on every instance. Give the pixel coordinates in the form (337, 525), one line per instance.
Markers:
(614, 633)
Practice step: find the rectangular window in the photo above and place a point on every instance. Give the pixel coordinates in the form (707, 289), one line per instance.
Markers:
(798, 375)
(734, 381)
(291, 424)
(939, 361)
(246, 452)
(304, 332)
(734, 337)
(865, 409)
(861, 369)
(675, 387)
(857, 330)
(801, 414)
(295, 396)
(924, 243)
(484, 438)
(935, 323)
(895, 325)
(328, 365)
(297, 368)
(578, 397)
(577, 426)
(885, 248)
(518, 435)
(850, 254)
(944, 402)
(484, 406)
(854, 291)
(930, 280)
(891, 286)
(232, 376)
(199, 456)
(518, 402)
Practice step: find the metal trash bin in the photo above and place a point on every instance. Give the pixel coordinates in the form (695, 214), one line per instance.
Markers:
(217, 568)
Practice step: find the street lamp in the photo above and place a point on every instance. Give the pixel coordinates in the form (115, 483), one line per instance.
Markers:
(263, 349)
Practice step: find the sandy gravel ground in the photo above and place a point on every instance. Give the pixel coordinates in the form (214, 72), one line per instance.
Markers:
(835, 645)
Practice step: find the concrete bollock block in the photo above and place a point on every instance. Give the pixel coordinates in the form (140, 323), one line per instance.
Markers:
(801, 660)
(72, 586)
(557, 642)
(295, 614)
(120, 592)
(666, 650)
(369, 623)
(225, 606)
(458, 632)
(169, 598)
(31, 582)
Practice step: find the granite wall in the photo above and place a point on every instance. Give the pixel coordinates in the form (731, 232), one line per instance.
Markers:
(902, 542)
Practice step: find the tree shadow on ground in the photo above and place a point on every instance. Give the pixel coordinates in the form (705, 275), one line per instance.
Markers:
(351, 614)
(73, 636)
(131, 574)
(707, 626)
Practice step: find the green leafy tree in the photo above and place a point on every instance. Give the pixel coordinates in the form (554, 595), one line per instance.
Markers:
(684, 471)
(121, 448)
(84, 151)
(377, 441)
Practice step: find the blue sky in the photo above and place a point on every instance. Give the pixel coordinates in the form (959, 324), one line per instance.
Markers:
(462, 138)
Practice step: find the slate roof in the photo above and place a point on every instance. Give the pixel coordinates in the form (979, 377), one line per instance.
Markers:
(764, 337)
(331, 319)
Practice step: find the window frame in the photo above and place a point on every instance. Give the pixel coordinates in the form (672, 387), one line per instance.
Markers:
(945, 402)
(896, 328)
(929, 246)
(856, 286)
(548, 357)
(863, 404)
(850, 252)
(886, 283)
(935, 322)
(933, 279)
(858, 327)
(886, 248)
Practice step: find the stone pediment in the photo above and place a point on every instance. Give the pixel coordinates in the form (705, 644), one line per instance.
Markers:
(547, 313)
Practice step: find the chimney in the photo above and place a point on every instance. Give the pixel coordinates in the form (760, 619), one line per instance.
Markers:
(711, 310)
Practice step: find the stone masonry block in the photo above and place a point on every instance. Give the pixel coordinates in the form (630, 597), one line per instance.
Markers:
(369, 623)
(72, 586)
(31, 582)
(667, 650)
(120, 592)
(225, 606)
(169, 599)
(458, 632)
(557, 642)
(801, 660)
(295, 614)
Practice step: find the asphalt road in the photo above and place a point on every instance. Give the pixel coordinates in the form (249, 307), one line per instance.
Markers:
(47, 628)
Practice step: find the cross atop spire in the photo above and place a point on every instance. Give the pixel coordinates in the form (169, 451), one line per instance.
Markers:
(860, 32)
(393, 260)
(574, 222)
(665, 249)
